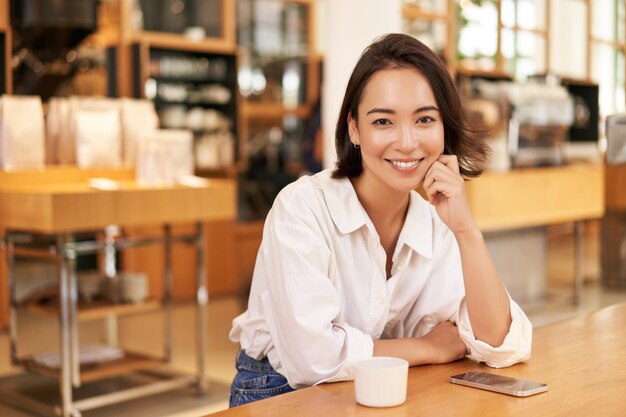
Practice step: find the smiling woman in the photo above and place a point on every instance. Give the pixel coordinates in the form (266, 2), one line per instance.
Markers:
(354, 263)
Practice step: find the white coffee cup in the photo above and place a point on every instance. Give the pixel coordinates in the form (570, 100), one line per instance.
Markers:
(381, 381)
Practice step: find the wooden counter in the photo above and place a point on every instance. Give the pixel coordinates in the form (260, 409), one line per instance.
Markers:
(537, 196)
(58, 199)
(74, 207)
(62, 209)
(583, 361)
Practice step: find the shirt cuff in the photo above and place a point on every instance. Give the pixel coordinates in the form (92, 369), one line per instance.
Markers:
(360, 347)
(515, 348)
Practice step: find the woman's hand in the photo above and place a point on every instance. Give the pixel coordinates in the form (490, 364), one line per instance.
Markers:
(444, 343)
(445, 189)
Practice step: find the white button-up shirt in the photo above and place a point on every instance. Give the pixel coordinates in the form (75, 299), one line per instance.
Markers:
(320, 293)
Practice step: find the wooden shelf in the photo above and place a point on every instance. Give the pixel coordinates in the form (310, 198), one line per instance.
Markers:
(100, 309)
(225, 172)
(182, 43)
(274, 111)
(414, 13)
(92, 372)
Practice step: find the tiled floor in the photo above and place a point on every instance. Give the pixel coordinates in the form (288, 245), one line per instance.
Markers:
(37, 332)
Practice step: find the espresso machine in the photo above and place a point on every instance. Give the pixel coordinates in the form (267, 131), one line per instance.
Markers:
(525, 124)
(540, 119)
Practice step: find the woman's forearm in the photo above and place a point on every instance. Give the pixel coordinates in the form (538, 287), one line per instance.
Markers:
(486, 298)
(441, 345)
(414, 350)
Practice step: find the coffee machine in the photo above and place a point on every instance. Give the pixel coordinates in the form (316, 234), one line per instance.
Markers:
(540, 119)
(525, 124)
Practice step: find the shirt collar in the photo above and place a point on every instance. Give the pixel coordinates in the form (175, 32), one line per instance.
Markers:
(349, 215)
(343, 204)
(417, 232)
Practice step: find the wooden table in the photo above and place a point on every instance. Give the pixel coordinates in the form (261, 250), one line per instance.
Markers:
(61, 209)
(583, 360)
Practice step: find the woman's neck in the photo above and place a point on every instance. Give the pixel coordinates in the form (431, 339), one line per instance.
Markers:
(384, 206)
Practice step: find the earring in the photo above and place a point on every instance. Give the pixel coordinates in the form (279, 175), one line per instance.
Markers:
(356, 145)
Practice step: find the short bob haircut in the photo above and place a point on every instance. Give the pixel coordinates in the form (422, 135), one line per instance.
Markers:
(404, 51)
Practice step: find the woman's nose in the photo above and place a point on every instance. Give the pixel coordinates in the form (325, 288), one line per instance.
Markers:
(407, 141)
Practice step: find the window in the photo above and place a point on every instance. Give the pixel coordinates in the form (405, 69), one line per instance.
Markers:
(607, 46)
(506, 36)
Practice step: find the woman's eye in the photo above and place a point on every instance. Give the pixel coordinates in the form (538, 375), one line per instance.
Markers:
(425, 120)
(382, 122)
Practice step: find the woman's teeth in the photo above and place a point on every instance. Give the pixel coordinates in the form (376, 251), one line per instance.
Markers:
(401, 164)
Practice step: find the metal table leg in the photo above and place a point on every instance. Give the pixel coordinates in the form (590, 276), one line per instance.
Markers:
(202, 297)
(578, 261)
(68, 345)
(12, 300)
(167, 291)
(110, 271)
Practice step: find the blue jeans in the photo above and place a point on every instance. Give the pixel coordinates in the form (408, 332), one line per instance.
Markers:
(255, 380)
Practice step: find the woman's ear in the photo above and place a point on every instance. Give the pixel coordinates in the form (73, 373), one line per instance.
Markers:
(353, 130)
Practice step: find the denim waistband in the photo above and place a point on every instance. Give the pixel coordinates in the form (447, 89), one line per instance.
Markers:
(246, 362)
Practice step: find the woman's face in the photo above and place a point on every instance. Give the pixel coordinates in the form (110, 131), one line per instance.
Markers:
(399, 130)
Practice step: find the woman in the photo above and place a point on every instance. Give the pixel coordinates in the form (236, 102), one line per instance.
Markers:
(355, 264)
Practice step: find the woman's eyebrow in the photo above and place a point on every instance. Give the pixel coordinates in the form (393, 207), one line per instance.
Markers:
(426, 108)
(380, 110)
(390, 111)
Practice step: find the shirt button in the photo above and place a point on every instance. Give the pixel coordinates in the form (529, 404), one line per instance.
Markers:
(400, 268)
(381, 300)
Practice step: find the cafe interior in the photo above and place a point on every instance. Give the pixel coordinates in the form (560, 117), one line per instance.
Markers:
(150, 138)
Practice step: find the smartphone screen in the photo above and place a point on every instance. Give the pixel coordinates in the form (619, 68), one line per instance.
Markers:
(499, 383)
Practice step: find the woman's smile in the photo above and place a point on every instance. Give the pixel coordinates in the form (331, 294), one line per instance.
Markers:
(404, 165)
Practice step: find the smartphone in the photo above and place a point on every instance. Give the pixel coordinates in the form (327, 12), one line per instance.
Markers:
(499, 383)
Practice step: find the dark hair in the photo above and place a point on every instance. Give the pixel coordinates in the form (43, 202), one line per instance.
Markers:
(398, 50)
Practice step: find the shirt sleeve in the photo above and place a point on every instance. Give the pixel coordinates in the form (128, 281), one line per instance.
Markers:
(515, 348)
(301, 304)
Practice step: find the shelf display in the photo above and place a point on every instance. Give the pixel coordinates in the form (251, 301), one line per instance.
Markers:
(193, 90)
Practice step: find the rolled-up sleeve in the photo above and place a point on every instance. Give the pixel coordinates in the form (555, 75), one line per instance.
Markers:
(301, 305)
(515, 348)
